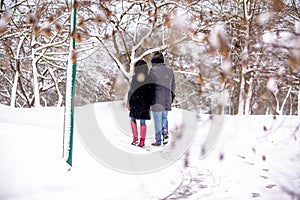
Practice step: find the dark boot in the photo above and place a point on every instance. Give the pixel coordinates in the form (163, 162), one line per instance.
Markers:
(143, 135)
(165, 137)
(134, 132)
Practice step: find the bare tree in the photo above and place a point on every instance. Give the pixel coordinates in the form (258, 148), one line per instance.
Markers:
(213, 46)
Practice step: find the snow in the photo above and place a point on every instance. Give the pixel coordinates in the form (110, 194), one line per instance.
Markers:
(217, 34)
(255, 156)
(2, 25)
(283, 38)
(226, 67)
(180, 19)
(264, 18)
(297, 27)
(271, 85)
(281, 71)
(269, 37)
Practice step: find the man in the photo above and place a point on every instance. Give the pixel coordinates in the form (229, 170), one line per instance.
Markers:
(164, 96)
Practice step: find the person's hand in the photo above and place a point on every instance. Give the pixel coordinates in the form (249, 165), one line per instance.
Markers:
(173, 97)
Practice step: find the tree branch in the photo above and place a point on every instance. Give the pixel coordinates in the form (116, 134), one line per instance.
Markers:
(117, 61)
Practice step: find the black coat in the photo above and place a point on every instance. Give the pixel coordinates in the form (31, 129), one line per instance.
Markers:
(141, 96)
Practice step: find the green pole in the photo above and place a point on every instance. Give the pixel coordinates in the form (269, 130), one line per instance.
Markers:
(70, 92)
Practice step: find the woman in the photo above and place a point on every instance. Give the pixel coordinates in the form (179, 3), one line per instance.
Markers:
(140, 98)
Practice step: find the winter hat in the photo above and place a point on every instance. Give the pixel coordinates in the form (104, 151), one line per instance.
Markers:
(141, 67)
(157, 58)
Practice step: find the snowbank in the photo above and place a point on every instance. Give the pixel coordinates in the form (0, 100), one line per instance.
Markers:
(48, 117)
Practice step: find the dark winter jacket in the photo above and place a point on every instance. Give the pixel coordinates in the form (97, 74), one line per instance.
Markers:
(164, 87)
(141, 95)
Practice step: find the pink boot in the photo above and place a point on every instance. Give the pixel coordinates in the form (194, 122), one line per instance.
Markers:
(134, 132)
(143, 135)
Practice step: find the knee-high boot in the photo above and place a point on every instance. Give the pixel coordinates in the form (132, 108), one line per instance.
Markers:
(134, 132)
(143, 135)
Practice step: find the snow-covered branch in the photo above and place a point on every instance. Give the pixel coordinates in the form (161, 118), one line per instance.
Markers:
(121, 67)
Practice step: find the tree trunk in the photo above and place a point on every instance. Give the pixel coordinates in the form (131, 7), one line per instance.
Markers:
(14, 90)
(16, 79)
(299, 102)
(245, 58)
(60, 96)
(279, 109)
(242, 93)
(249, 96)
(36, 91)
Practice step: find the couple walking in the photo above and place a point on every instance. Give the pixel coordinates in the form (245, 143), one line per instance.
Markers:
(153, 90)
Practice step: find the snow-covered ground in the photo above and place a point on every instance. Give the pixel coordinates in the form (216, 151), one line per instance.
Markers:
(256, 157)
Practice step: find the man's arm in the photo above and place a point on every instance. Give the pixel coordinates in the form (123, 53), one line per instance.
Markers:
(173, 88)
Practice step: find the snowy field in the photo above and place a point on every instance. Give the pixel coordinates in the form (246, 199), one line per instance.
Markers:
(256, 157)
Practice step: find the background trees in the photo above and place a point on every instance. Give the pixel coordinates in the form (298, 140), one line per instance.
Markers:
(34, 46)
(247, 51)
